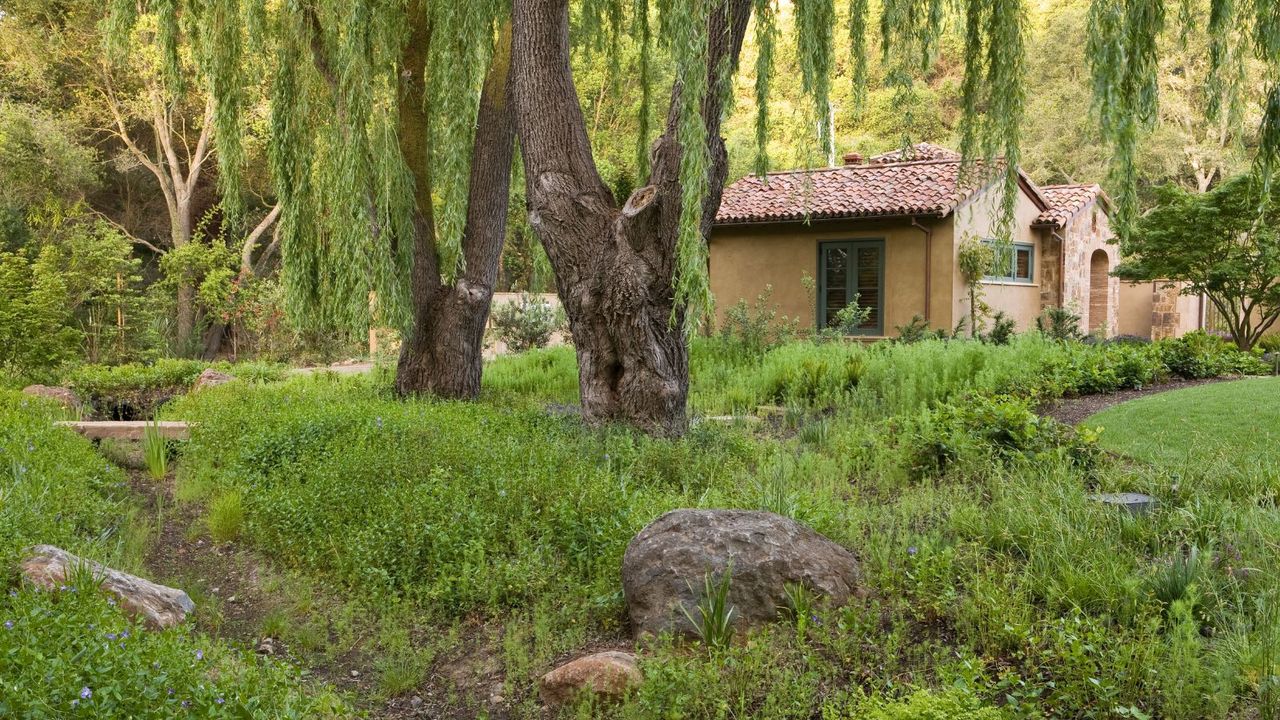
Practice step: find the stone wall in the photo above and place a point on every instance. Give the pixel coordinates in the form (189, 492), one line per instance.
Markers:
(1087, 233)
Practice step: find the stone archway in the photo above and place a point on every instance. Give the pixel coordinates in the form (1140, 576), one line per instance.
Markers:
(1099, 291)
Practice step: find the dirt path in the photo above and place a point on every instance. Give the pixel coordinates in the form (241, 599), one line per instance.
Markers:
(240, 596)
(1073, 411)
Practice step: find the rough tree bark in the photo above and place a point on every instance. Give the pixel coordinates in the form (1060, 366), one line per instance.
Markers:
(615, 266)
(443, 353)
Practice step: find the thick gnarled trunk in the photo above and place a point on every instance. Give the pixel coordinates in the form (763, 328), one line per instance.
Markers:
(443, 352)
(615, 267)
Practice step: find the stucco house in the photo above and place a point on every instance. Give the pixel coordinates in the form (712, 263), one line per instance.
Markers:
(888, 230)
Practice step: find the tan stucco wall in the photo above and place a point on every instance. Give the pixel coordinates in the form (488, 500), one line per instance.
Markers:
(978, 218)
(747, 258)
(1135, 309)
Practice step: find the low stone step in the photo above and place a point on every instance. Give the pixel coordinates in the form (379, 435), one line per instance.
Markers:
(127, 429)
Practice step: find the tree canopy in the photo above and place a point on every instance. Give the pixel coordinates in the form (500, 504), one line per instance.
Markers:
(1216, 244)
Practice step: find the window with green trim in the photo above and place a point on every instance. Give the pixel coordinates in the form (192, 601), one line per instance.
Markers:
(1014, 262)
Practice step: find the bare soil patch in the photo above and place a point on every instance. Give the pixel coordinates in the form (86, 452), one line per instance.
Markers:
(1073, 411)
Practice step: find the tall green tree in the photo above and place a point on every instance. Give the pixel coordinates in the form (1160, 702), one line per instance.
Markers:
(1217, 244)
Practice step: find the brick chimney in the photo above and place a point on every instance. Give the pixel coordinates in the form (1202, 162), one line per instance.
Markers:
(853, 158)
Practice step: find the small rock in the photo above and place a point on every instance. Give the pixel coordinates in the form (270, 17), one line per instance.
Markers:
(267, 647)
(416, 701)
(496, 699)
(213, 590)
(63, 396)
(355, 673)
(608, 675)
(1136, 503)
(233, 599)
(159, 606)
(665, 566)
(210, 378)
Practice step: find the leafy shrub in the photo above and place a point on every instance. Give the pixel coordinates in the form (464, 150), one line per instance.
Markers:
(1269, 343)
(1198, 355)
(1059, 323)
(752, 329)
(527, 323)
(133, 392)
(1002, 329)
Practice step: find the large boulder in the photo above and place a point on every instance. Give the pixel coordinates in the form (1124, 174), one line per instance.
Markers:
(61, 395)
(665, 567)
(160, 607)
(210, 378)
(607, 675)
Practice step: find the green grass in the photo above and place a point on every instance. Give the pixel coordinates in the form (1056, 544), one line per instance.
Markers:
(71, 652)
(1231, 426)
(995, 587)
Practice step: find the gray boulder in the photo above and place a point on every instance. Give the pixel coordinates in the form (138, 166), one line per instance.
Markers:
(61, 395)
(159, 606)
(665, 567)
(210, 378)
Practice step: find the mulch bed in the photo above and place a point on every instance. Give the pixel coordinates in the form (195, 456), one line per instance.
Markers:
(1073, 411)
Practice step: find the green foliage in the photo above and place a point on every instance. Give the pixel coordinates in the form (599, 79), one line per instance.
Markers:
(1059, 323)
(527, 323)
(55, 489)
(155, 451)
(750, 330)
(73, 654)
(1217, 244)
(133, 391)
(974, 258)
(40, 160)
(1198, 355)
(1002, 329)
(955, 704)
(70, 292)
(714, 621)
(226, 517)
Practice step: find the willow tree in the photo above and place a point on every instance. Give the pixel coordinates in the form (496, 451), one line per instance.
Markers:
(391, 144)
(391, 150)
(633, 274)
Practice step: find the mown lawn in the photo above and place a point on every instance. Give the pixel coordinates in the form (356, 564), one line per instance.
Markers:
(1234, 426)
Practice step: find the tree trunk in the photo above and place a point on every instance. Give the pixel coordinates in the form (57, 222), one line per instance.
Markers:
(615, 267)
(443, 354)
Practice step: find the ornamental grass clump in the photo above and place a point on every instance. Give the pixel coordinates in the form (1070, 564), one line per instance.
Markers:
(155, 451)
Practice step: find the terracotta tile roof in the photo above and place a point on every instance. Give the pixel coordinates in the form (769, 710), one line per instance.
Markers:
(916, 153)
(1065, 201)
(928, 187)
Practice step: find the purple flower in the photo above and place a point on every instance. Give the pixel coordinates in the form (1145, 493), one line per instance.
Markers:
(124, 634)
(8, 624)
(85, 693)
(219, 700)
(75, 703)
(111, 602)
(912, 550)
(170, 691)
(199, 654)
(186, 703)
(111, 636)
